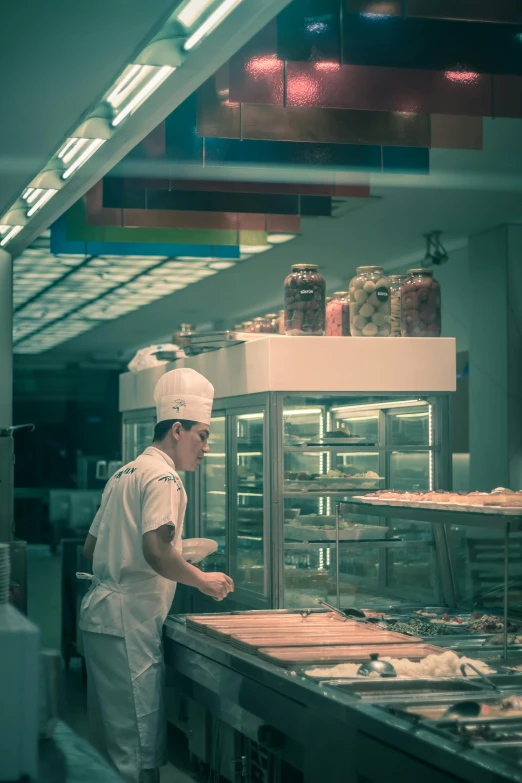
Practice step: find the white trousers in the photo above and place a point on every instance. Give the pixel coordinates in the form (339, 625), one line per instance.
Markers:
(113, 723)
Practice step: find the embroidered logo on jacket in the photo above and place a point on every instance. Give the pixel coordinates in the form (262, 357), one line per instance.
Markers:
(178, 404)
(125, 472)
(171, 477)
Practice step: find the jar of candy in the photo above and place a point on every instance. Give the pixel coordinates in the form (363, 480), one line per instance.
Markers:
(258, 325)
(271, 324)
(305, 293)
(248, 326)
(420, 305)
(281, 322)
(338, 315)
(370, 306)
(396, 282)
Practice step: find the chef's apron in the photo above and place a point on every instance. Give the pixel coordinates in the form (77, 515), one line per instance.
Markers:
(136, 612)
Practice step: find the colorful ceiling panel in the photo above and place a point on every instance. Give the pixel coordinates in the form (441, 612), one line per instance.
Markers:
(317, 30)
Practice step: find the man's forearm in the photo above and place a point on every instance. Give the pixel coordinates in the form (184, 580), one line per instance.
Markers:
(171, 565)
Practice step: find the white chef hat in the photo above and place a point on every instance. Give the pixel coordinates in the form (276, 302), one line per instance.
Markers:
(184, 394)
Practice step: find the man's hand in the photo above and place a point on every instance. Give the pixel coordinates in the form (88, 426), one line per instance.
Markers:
(216, 585)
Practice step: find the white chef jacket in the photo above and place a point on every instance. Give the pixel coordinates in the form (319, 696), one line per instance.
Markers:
(142, 496)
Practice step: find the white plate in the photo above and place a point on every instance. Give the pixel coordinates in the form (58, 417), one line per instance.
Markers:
(196, 549)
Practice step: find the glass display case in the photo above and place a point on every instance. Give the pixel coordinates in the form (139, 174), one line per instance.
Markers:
(278, 468)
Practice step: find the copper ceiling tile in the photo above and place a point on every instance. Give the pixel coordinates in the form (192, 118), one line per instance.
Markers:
(507, 96)
(377, 7)
(215, 118)
(453, 132)
(373, 88)
(97, 214)
(335, 126)
(283, 224)
(358, 189)
(234, 221)
(505, 11)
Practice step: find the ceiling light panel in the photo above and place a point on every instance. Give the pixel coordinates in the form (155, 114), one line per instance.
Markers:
(211, 22)
(7, 233)
(192, 11)
(81, 152)
(136, 84)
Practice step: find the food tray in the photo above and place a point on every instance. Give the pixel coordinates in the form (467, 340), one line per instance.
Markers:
(318, 639)
(374, 501)
(361, 532)
(225, 621)
(224, 633)
(309, 656)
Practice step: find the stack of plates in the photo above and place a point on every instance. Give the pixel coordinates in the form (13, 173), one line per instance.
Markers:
(5, 569)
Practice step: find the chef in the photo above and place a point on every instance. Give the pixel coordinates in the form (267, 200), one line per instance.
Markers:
(135, 544)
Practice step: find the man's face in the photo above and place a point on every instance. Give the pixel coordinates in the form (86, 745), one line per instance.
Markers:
(191, 446)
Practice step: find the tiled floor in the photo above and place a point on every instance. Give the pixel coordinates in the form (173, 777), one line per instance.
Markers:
(44, 609)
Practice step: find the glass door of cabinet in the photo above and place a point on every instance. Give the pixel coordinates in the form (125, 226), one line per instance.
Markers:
(213, 495)
(138, 433)
(247, 501)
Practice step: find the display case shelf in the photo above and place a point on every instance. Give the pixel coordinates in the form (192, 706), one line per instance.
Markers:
(496, 521)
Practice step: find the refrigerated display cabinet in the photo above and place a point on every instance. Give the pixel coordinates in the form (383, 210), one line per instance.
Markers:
(300, 424)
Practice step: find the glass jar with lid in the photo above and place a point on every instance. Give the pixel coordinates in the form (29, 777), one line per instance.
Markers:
(258, 324)
(420, 305)
(271, 324)
(281, 322)
(305, 294)
(248, 326)
(370, 306)
(396, 282)
(338, 315)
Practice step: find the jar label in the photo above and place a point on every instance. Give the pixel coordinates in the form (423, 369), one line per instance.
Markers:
(306, 294)
(382, 294)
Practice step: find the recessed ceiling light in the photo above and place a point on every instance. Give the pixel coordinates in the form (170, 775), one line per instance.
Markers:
(255, 248)
(279, 239)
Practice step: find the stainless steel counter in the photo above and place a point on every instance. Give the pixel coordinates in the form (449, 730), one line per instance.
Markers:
(326, 733)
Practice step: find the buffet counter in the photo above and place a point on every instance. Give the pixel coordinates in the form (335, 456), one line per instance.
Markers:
(354, 729)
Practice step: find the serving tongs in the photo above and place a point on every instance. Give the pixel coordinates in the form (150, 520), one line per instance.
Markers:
(354, 614)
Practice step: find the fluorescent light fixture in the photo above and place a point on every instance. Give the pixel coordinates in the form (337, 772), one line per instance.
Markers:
(254, 248)
(279, 239)
(11, 232)
(211, 23)
(27, 193)
(302, 412)
(219, 265)
(193, 10)
(44, 198)
(250, 416)
(129, 80)
(74, 149)
(80, 160)
(67, 146)
(412, 415)
(143, 94)
(33, 195)
(383, 405)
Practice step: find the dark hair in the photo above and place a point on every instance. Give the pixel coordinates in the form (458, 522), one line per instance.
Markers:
(163, 427)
